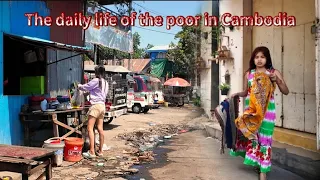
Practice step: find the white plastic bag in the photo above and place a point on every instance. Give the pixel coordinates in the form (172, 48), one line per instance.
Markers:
(77, 99)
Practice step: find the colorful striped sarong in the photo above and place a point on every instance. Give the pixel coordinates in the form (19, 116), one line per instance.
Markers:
(257, 149)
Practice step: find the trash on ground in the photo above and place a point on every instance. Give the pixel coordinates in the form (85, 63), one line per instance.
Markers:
(183, 131)
(105, 147)
(152, 124)
(100, 164)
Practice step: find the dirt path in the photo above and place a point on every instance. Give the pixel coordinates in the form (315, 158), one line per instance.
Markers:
(193, 156)
(143, 129)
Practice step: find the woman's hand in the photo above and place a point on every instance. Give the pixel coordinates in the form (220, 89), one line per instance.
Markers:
(273, 77)
(280, 82)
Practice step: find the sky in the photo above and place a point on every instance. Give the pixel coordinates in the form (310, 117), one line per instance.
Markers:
(163, 8)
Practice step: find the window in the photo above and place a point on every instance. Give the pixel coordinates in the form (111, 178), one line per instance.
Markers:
(161, 55)
(149, 87)
(24, 67)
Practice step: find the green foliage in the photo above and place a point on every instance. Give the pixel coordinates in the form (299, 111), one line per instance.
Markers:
(186, 51)
(197, 101)
(138, 52)
(145, 54)
(224, 86)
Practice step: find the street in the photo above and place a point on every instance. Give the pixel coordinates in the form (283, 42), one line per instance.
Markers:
(195, 157)
(187, 155)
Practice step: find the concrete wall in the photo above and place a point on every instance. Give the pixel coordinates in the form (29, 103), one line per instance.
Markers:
(205, 73)
(238, 42)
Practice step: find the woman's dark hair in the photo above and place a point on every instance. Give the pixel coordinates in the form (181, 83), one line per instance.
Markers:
(265, 51)
(100, 73)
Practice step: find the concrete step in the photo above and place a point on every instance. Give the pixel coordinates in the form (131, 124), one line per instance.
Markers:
(296, 138)
(295, 159)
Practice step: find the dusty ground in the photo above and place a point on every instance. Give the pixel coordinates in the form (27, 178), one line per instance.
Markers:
(186, 155)
(193, 156)
(117, 161)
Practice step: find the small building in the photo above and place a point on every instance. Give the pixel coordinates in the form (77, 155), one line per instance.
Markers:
(161, 66)
(141, 66)
(134, 65)
(32, 51)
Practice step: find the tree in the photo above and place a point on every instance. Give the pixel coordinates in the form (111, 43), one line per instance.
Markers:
(186, 51)
(145, 54)
(108, 53)
(137, 52)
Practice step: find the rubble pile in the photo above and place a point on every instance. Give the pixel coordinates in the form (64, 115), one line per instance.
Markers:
(142, 143)
(145, 140)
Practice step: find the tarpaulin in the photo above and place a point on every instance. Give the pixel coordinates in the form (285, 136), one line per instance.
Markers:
(161, 67)
(107, 36)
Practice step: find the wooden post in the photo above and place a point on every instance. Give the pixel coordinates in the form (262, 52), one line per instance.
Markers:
(95, 53)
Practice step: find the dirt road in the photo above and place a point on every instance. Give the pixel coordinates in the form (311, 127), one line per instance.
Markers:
(122, 154)
(185, 155)
(193, 156)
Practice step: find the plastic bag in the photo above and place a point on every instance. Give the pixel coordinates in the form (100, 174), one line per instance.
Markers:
(77, 99)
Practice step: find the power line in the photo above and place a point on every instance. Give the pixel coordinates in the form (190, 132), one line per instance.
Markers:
(155, 30)
(149, 10)
(154, 12)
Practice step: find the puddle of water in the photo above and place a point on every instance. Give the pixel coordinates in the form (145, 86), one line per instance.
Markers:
(160, 160)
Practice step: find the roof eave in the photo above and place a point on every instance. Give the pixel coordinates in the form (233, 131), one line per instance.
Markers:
(51, 43)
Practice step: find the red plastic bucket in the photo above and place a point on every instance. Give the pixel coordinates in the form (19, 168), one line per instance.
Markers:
(73, 149)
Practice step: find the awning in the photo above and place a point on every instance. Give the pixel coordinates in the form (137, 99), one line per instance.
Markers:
(50, 43)
(115, 69)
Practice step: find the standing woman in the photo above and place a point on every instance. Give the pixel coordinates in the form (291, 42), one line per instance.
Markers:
(255, 146)
(98, 89)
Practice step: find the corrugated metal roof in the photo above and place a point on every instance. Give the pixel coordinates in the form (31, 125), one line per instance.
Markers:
(108, 68)
(51, 43)
(137, 65)
(160, 48)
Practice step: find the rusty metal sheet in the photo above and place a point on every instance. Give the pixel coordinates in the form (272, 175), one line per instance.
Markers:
(67, 35)
(24, 152)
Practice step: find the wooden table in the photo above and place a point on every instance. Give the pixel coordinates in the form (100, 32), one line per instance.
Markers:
(51, 117)
(26, 160)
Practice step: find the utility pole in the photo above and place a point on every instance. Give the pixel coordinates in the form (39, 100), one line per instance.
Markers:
(129, 62)
(114, 57)
(214, 66)
(95, 54)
